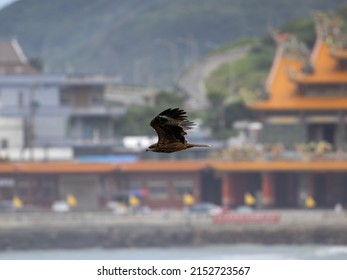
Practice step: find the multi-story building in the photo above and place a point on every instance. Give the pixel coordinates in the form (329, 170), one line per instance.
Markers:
(59, 110)
(12, 61)
(44, 111)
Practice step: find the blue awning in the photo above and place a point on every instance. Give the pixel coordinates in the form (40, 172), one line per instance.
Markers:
(108, 158)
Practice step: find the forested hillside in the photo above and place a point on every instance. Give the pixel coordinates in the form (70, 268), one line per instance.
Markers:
(145, 42)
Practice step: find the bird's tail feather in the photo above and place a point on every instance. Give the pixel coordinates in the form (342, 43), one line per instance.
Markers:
(198, 145)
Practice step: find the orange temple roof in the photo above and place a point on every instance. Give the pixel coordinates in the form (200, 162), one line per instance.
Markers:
(339, 53)
(285, 75)
(55, 167)
(325, 66)
(163, 166)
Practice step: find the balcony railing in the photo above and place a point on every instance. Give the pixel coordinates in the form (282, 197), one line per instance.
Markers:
(97, 110)
(78, 142)
(62, 111)
(312, 151)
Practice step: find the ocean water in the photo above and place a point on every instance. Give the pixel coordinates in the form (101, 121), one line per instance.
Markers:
(220, 252)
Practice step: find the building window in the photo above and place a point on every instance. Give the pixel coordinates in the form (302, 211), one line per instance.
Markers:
(321, 132)
(135, 184)
(158, 188)
(88, 131)
(7, 182)
(126, 186)
(4, 144)
(20, 99)
(64, 98)
(22, 188)
(48, 188)
(183, 186)
(96, 98)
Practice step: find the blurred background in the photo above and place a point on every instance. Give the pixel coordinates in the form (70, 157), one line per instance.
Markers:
(264, 81)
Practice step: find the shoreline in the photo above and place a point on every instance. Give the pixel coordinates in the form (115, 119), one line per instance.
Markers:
(26, 231)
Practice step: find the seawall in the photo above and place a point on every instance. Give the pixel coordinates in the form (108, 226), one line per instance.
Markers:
(81, 230)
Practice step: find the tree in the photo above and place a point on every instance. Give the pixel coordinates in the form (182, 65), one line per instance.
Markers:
(224, 114)
(167, 99)
(215, 118)
(136, 120)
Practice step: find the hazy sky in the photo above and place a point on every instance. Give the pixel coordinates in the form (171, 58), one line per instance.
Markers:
(5, 2)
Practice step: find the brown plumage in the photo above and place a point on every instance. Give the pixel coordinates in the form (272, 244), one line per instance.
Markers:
(171, 126)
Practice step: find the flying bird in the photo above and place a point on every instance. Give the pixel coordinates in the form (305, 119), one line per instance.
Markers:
(171, 126)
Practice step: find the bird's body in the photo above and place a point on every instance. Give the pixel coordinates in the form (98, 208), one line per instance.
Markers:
(173, 147)
(171, 126)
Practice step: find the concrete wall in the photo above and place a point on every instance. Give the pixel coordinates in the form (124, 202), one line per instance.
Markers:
(91, 128)
(283, 133)
(49, 117)
(14, 96)
(50, 130)
(11, 131)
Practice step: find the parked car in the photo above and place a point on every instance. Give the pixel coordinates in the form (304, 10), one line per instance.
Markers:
(244, 209)
(206, 208)
(60, 206)
(117, 208)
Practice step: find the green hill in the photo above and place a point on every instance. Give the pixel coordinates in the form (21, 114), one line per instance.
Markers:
(143, 41)
(243, 80)
(248, 74)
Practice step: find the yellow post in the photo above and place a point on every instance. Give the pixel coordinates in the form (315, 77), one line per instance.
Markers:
(134, 201)
(310, 202)
(17, 202)
(71, 200)
(188, 199)
(249, 199)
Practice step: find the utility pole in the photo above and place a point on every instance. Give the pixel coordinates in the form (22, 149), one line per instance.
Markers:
(33, 105)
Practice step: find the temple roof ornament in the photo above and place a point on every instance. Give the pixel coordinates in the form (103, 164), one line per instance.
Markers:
(332, 29)
(291, 47)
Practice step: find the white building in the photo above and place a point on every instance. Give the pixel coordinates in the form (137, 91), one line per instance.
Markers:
(11, 133)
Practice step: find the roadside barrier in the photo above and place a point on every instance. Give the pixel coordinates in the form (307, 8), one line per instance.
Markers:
(249, 218)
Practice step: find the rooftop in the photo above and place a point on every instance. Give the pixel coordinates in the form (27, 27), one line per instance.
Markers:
(13, 59)
(286, 74)
(57, 79)
(11, 52)
(72, 167)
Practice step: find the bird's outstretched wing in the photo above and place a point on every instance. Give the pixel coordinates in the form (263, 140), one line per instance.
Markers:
(171, 125)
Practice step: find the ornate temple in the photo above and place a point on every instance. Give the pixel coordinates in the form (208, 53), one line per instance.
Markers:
(307, 92)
